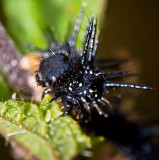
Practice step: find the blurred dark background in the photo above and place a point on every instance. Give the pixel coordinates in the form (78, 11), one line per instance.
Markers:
(132, 26)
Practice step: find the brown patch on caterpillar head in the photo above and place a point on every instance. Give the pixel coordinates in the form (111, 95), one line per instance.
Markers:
(30, 62)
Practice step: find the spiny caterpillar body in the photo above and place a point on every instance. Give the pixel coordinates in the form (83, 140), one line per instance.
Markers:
(73, 76)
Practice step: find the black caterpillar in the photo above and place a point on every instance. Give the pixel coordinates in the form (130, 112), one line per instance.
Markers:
(73, 76)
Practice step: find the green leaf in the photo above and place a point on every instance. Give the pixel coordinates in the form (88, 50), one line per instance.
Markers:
(61, 16)
(41, 131)
(26, 19)
(5, 91)
(24, 22)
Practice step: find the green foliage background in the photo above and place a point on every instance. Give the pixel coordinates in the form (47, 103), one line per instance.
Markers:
(27, 19)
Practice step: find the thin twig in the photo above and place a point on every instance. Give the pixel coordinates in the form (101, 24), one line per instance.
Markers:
(10, 64)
